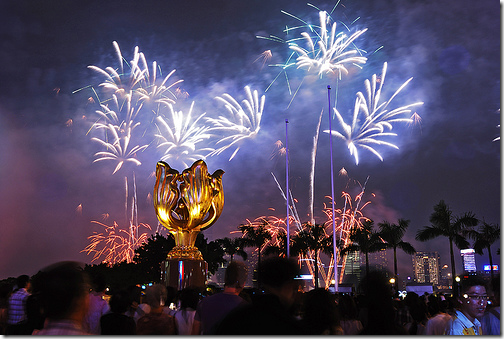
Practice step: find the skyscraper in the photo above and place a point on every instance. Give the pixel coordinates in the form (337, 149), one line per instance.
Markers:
(352, 263)
(426, 266)
(377, 260)
(352, 268)
(468, 260)
(445, 281)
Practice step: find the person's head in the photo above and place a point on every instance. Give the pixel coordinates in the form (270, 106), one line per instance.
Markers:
(64, 289)
(98, 282)
(189, 298)
(120, 301)
(171, 293)
(473, 297)
(495, 285)
(22, 281)
(319, 311)
(236, 275)
(135, 294)
(347, 307)
(378, 295)
(155, 296)
(277, 275)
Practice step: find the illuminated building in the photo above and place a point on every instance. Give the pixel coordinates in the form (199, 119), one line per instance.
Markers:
(251, 263)
(468, 260)
(377, 261)
(353, 268)
(445, 281)
(426, 266)
(352, 264)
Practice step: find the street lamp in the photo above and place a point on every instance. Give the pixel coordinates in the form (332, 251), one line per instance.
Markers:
(392, 284)
(456, 286)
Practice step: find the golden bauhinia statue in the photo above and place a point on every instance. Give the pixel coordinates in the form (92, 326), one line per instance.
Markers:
(187, 203)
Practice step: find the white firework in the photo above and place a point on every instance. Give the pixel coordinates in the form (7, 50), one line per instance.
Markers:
(371, 119)
(180, 136)
(243, 123)
(139, 80)
(328, 53)
(118, 148)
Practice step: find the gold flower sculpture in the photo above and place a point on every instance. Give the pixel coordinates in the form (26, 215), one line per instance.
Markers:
(187, 203)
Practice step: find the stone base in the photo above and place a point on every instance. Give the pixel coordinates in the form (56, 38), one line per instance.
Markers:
(182, 273)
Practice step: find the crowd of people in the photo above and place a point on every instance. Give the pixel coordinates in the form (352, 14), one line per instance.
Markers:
(62, 300)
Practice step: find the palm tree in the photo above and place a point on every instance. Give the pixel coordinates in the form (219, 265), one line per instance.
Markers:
(392, 235)
(312, 239)
(233, 247)
(256, 236)
(364, 240)
(486, 235)
(280, 248)
(443, 223)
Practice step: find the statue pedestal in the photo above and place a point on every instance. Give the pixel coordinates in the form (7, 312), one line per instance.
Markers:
(182, 273)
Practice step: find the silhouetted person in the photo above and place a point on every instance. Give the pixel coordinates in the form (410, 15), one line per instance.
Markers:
(490, 321)
(98, 306)
(212, 309)
(64, 293)
(117, 322)
(184, 316)
(156, 322)
(17, 317)
(135, 295)
(320, 313)
(269, 313)
(472, 301)
(170, 302)
(5, 293)
(380, 310)
(34, 310)
(349, 314)
(436, 324)
(418, 311)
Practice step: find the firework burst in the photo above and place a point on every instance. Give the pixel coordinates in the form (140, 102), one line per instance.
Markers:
(179, 135)
(371, 119)
(327, 53)
(243, 123)
(139, 79)
(115, 245)
(118, 148)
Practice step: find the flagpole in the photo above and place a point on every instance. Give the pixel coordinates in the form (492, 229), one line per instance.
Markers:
(287, 183)
(332, 193)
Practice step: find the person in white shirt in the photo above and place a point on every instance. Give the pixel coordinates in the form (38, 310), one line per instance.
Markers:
(473, 300)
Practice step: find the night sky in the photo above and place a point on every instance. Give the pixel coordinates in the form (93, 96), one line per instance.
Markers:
(451, 48)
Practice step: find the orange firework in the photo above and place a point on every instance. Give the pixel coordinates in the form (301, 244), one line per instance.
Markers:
(115, 245)
(346, 219)
(275, 227)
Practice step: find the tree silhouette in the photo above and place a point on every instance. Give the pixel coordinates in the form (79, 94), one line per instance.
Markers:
(256, 236)
(233, 247)
(146, 265)
(120, 275)
(149, 256)
(486, 235)
(364, 240)
(312, 238)
(280, 248)
(443, 223)
(392, 234)
(212, 252)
